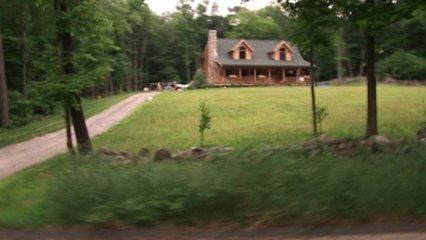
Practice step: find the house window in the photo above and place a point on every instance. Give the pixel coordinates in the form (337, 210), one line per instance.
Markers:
(243, 53)
(290, 73)
(229, 72)
(245, 73)
(283, 54)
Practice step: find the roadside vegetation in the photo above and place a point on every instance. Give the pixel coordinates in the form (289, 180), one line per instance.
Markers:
(269, 186)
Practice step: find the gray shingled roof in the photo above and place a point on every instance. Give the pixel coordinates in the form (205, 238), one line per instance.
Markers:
(261, 56)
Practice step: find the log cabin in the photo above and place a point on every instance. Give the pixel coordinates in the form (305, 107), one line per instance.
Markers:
(248, 62)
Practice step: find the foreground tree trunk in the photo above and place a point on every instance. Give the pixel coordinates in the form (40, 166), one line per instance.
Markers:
(313, 98)
(371, 87)
(371, 81)
(68, 131)
(4, 98)
(75, 108)
(340, 56)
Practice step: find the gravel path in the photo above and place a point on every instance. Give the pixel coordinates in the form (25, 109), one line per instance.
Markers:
(366, 232)
(26, 154)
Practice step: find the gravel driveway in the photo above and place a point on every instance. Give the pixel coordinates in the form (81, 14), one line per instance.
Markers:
(26, 154)
(364, 232)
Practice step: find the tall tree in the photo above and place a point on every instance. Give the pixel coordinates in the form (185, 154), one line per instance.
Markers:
(4, 99)
(73, 104)
(370, 16)
(307, 16)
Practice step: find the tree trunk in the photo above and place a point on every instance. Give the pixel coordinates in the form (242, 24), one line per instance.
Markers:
(135, 68)
(371, 81)
(314, 107)
(340, 53)
(76, 109)
(24, 43)
(68, 131)
(371, 87)
(129, 80)
(197, 57)
(142, 57)
(107, 85)
(4, 98)
(362, 61)
(80, 129)
(187, 64)
(111, 84)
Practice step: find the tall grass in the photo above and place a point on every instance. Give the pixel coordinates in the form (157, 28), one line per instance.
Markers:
(277, 186)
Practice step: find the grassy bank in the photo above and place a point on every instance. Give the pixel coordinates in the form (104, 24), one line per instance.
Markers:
(263, 116)
(55, 122)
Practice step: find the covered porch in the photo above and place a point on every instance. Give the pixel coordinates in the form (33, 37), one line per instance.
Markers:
(263, 76)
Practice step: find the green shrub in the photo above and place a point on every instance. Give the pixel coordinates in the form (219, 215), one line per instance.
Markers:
(403, 65)
(20, 110)
(23, 110)
(205, 121)
(321, 114)
(282, 186)
(199, 79)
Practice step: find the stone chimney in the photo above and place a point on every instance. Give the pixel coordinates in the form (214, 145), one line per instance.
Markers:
(211, 66)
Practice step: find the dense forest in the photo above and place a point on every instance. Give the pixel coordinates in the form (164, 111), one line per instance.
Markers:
(121, 45)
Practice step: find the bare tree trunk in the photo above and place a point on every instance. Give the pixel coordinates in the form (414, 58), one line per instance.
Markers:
(23, 42)
(314, 107)
(142, 58)
(4, 98)
(107, 84)
(197, 58)
(362, 62)
(76, 109)
(68, 131)
(371, 87)
(340, 52)
(135, 68)
(111, 84)
(350, 66)
(187, 64)
(371, 81)
(129, 81)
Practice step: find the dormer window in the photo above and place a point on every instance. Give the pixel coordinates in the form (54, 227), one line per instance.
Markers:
(283, 54)
(243, 52)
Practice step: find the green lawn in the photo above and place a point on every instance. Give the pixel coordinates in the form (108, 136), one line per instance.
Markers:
(241, 117)
(262, 116)
(56, 122)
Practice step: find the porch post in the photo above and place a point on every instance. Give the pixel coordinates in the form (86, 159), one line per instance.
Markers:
(239, 73)
(298, 75)
(269, 75)
(283, 73)
(255, 76)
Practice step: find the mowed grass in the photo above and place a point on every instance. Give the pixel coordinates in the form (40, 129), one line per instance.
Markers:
(55, 122)
(263, 116)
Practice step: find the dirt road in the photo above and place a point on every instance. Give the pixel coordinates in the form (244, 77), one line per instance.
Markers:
(26, 154)
(367, 232)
